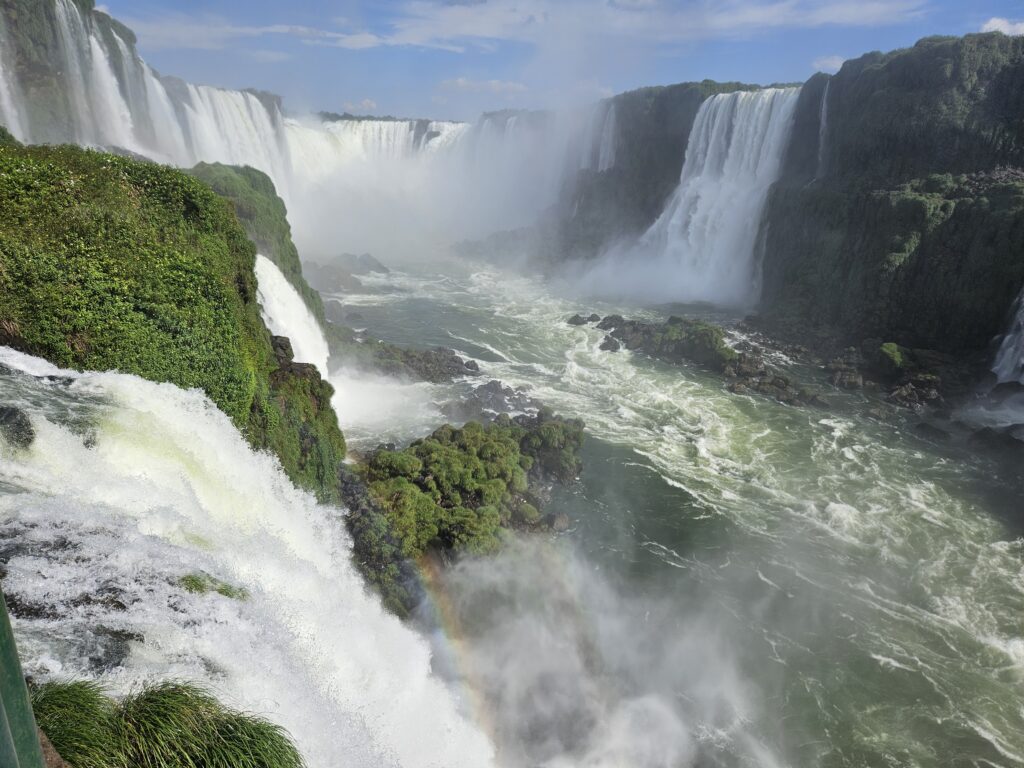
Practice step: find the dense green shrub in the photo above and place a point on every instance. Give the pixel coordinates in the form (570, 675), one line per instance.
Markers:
(111, 264)
(168, 725)
(456, 489)
(265, 219)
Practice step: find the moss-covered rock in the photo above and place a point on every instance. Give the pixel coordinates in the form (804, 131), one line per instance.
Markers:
(906, 224)
(454, 492)
(934, 263)
(265, 218)
(674, 341)
(111, 264)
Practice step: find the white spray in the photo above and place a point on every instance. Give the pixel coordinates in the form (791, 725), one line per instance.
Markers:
(702, 247)
(286, 314)
(130, 485)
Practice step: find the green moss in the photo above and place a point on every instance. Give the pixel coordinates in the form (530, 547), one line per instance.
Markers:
(265, 218)
(111, 264)
(678, 339)
(168, 725)
(7, 139)
(200, 583)
(893, 353)
(454, 492)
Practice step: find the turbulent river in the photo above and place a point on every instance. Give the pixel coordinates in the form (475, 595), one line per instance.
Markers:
(743, 583)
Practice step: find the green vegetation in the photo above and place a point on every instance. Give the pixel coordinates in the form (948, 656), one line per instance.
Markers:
(168, 725)
(265, 219)
(455, 492)
(6, 139)
(932, 264)
(677, 339)
(910, 230)
(111, 264)
(200, 583)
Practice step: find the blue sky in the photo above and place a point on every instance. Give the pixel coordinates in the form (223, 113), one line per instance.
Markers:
(456, 58)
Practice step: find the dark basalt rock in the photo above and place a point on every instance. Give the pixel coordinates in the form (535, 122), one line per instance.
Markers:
(331, 278)
(610, 322)
(577, 320)
(16, 427)
(488, 400)
(363, 264)
(610, 344)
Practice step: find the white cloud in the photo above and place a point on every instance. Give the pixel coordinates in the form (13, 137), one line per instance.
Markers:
(483, 86)
(1005, 26)
(454, 26)
(366, 105)
(828, 63)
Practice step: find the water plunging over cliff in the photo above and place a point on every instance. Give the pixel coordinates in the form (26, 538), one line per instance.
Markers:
(702, 247)
(286, 314)
(131, 485)
(823, 131)
(1009, 362)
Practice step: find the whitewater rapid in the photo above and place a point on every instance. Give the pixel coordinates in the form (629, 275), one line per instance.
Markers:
(131, 485)
(821, 586)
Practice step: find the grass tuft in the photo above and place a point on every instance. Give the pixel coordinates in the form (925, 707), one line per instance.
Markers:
(166, 725)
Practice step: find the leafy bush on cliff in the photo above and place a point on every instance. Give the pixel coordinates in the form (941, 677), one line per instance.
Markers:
(168, 725)
(111, 264)
(454, 491)
(265, 219)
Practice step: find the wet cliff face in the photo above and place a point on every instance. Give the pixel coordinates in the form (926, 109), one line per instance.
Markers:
(651, 130)
(902, 219)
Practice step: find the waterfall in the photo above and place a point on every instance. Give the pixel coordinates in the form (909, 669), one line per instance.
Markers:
(399, 184)
(131, 485)
(1009, 362)
(606, 150)
(74, 42)
(11, 97)
(597, 147)
(114, 123)
(286, 314)
(702, 247)
(823, 131)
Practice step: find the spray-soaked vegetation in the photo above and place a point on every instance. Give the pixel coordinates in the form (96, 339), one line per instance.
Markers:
(456, 492)
(111, 264)
(168, 725)
(265, 219)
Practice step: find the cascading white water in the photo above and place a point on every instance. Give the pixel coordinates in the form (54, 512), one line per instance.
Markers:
(598, 144)
(702, 247)
(74, 46)
(442, 181)
(1009, 362)
(113, 117)
(286, 314)
(606, 150)
(823, 131)
(11, 97)
(131, 485)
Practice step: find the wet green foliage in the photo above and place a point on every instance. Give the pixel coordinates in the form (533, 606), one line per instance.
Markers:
(454, 492)
(111, 264)
(168, 725)
(265, 219)
(906, 224)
